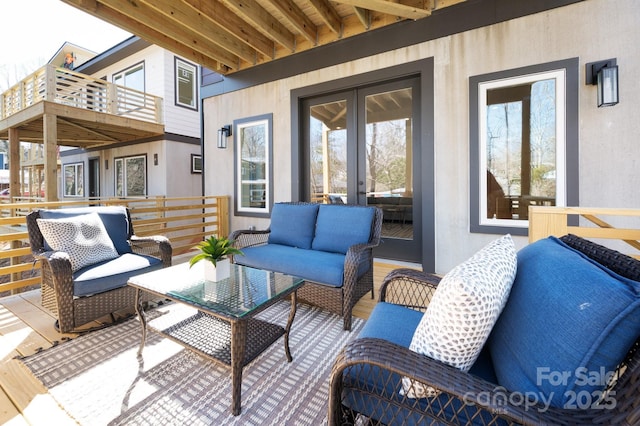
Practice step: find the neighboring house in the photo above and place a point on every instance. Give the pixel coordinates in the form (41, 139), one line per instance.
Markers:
(127, 120)
(167, 164)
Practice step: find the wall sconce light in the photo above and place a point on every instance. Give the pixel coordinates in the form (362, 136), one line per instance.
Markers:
(223, 133)
(604, 74)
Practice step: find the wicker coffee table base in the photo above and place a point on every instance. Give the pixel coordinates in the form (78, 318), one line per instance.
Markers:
(231, 342)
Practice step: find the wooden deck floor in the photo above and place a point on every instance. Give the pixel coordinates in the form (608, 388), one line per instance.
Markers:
(25, 327)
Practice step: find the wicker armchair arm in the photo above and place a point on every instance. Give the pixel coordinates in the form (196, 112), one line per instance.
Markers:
(58, 259)
(471, 390)
(249, 238)
(154, 245)
(409, 287)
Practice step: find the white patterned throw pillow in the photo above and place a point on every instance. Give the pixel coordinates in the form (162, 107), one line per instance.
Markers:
(464, 309)
(83, 237)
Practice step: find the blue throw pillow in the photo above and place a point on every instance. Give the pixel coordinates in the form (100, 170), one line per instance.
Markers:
(293, 224)
(339, 227)
(567, 324)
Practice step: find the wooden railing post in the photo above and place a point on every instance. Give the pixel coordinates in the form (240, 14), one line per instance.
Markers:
(112, 98)
(545, 221)
(50, 83)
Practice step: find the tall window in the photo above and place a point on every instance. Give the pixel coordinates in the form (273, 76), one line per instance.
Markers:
(521, 145)
(74, 180)
(132, 78)
(253, 165)
(131, 176)
(186, 84)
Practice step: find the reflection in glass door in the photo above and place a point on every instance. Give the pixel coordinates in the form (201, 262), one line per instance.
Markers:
(328, 152)
(389, 160)
(361, 150)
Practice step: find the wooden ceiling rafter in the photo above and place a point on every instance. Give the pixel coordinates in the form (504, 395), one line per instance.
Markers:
(114, 17)
(169, 26)
(195, 21)
(232, 35)
(238, 28)
(267, 24)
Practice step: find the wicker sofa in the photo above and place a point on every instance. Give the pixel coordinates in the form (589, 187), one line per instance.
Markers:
(329, 245)
(80, 296)
(536, 323)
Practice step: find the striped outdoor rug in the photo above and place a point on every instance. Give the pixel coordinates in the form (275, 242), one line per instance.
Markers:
(98, 379)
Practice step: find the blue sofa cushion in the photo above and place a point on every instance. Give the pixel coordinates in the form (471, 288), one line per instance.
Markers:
(293, 224)
(568, 322)
(114, 219)
(339, 227)
(397, 324)
(321, 267)
(112, 274)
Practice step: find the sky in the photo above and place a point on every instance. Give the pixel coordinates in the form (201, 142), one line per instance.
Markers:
(34, 30)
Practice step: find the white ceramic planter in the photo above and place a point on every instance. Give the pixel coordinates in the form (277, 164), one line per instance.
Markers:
(219, 272)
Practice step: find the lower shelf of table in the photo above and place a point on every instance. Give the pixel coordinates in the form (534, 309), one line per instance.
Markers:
(211, 336)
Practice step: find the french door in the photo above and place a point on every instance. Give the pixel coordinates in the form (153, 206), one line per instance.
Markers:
(362, 147)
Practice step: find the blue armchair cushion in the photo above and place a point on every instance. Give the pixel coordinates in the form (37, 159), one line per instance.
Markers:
(112, 274)
(339, 227)
(397, 324)
(293, 224)
(567, 324)
(114, 218)
(317, 266)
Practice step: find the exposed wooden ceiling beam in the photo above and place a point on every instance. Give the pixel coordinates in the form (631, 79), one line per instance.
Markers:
(114, 17)
(197, 23)
(328, 14)
(301, 22)
(252, 12)
(390, 8)
(364, 16)
(143, 13)
(229, 21)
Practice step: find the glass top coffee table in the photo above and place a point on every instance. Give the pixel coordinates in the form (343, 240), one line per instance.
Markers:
(223, 327)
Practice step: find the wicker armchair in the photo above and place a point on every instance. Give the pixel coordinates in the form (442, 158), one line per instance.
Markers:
(463, 398)
(57, 288)
(338, 300)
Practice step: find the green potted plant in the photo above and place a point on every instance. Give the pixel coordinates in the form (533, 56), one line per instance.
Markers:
(214, 251)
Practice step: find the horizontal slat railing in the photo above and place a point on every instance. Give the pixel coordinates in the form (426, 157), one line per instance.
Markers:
(617, 228)
(78, 90)
(184, 220)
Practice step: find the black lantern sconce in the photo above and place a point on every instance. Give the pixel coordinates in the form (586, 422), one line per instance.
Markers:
(223, 133)
(604, 74)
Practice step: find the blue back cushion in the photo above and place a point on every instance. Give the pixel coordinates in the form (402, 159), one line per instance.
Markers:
(568, 320)
(293, 224)
(339, 227)
(114, 219)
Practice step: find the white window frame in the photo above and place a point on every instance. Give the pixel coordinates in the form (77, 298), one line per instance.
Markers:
(120, 163)
(241, 209)
(483, 88)
(567, 151)
(76, 170)
(124, 73)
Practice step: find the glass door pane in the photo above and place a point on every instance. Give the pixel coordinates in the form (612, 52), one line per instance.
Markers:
(328, 152)
(389, 158)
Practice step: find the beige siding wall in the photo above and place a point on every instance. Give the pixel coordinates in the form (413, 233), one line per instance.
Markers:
(609, 149)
